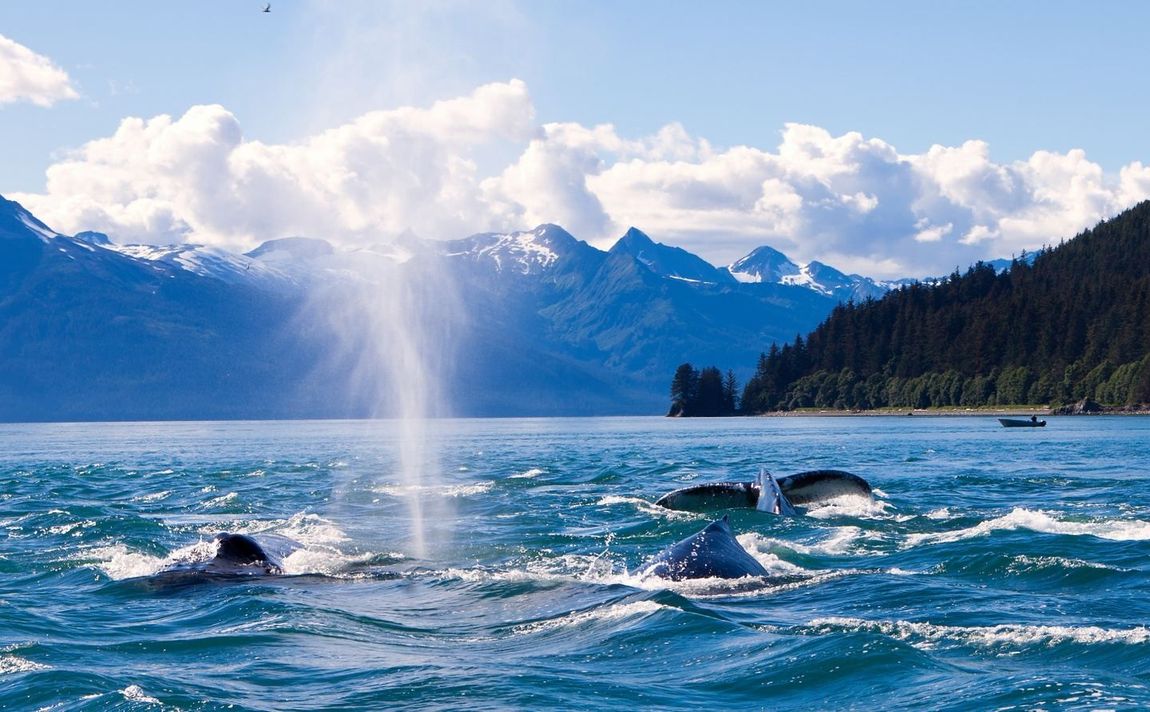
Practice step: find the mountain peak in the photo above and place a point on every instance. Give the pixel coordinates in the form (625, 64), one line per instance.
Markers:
(763, 264)
(292, 247)
(16, 222)
(667, 261)
(636, 237)
(91, 237)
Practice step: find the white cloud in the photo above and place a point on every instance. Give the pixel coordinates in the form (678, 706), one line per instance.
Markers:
(27, 76)
(168, 179)
(851, 201)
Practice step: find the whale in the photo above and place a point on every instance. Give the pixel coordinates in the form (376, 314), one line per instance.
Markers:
(768, 494)
(235, 556)
(711, 553)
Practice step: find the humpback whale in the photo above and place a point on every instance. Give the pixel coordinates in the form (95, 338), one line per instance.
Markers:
(236, 555)
(768, 494)
(711, 553)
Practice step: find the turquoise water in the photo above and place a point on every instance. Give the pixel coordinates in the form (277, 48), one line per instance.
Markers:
(997, 569)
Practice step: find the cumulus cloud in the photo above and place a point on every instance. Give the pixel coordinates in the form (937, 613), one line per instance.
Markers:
(27, 76)
(849, 200)
(196, 177)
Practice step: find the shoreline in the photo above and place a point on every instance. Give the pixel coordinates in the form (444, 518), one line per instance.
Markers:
(1041, 412)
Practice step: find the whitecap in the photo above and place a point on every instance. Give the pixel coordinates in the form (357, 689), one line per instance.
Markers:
(618, 611)
(1023, 562)
(62, 529)
(1019, 518)
(134, 693)
(153, 497)
(850, 506)
(397, 490)
(11, 665)
(118, 562)
(220, 501)
(645, 506)
(527, 474)
(929, 634)
(841, 541)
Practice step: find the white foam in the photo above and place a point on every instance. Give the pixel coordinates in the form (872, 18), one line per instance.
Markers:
(312, 530)
(153, 497)
(841, 541)
(319, 537)
(533, 472)
(11, 665)
(928, 634)
(1047, 562)
(133, 693)
(219, 501)
(70, 528)
(644, 506)
(396, 490)
(850, 506)
(940, 514)
(614, 612)
(1019, 518)
(118, 562)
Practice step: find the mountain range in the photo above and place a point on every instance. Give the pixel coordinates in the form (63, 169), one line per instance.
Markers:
(541, 323)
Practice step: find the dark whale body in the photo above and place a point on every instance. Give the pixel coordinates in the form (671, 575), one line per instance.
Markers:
(712, 553)
(237, 555)
(768, 494)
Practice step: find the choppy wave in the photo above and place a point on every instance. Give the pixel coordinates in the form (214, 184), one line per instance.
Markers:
(607, 613)
(928, 634)
(1043, 522)
(11, 665)
(531, 592)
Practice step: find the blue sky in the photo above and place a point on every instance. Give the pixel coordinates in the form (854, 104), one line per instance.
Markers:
(1019, 77)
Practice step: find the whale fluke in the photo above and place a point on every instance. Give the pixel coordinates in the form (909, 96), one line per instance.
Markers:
(779, 496)
(712, 553)
(771, 498)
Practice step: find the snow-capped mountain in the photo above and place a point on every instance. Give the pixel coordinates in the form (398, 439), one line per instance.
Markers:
(90, 328)
(530, 252)
(763, 264)
(667, 261)
(766, 264)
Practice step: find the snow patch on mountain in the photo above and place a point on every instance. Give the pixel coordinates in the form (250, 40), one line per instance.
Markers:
(202, 260)
(525, 252)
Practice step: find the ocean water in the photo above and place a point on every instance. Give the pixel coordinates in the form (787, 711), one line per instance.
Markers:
(996, 569)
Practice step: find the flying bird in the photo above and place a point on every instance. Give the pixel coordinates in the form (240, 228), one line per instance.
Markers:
(267, 7)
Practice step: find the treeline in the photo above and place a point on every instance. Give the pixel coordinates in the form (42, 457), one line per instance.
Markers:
(1072, 324)
(705, 393)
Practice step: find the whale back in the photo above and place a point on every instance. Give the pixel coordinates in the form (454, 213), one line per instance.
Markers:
(711, 553)
(240, 553)
(239, 549)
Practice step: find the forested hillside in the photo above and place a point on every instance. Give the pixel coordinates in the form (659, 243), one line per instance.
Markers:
(1074, 323)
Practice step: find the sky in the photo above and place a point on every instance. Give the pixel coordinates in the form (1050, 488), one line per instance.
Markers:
(890, 139)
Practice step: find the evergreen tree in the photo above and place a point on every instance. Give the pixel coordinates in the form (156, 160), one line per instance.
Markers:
(730, 391)
(684, 390)
(1072, 322)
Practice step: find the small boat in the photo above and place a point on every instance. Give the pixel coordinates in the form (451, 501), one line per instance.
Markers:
(1033, 422)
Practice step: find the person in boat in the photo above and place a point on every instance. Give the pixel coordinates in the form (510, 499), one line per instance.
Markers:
(1034, 418)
